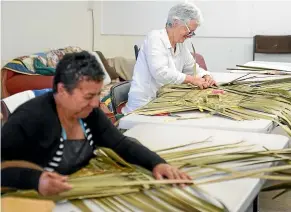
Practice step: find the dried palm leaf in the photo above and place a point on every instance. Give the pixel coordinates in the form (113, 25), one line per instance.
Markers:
(81, 205)
(116, 185)
(241, 100)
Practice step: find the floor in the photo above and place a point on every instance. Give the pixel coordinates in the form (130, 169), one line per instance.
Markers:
(280, 204)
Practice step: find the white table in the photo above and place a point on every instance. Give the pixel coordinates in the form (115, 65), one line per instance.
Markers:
(222, 77)
(265, 64)
(214, 122)
(237, 195)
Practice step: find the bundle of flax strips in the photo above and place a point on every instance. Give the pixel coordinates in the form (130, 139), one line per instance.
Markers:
(115, 185)
(240, 99)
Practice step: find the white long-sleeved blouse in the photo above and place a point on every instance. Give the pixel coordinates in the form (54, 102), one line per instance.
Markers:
(158, 65)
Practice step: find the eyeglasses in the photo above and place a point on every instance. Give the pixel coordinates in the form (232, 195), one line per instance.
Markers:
(190, 34)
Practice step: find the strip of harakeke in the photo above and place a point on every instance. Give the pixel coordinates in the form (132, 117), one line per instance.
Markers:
(115, 185)
(238, 100)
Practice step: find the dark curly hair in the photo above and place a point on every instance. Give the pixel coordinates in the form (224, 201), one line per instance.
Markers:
(74, 67)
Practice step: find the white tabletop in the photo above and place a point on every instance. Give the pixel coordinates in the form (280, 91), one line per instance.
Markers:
(284, 66)
(222, 77)
(272, 65)
(203, 121)
(213, 122)
(237, 195)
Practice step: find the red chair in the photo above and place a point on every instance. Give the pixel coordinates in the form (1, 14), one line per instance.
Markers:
(200, 60)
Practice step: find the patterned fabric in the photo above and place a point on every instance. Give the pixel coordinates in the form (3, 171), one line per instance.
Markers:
(54, 56)
(108, 103)
(28, 61)
(19, 67)
(42, 69)
(43, 63)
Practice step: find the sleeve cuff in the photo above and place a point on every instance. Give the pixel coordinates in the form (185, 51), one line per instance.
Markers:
(20, 178)
(181, 78)
(202, 72)
(162, 161)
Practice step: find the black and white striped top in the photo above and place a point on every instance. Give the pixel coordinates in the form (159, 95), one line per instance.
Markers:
(59, 154)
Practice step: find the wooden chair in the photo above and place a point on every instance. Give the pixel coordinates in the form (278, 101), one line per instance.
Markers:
(268, 44)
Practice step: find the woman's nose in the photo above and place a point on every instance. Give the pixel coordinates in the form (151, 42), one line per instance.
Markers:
(95, 102)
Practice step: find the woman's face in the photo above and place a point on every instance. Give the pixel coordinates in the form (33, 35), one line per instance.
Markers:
(83, 99)
(185, 30)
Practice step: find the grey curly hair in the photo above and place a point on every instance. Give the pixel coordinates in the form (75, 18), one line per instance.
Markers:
(184, 12)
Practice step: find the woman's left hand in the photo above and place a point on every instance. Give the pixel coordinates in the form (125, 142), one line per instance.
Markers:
(165, 170)
(209, 80)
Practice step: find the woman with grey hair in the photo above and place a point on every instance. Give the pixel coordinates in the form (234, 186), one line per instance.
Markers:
(164, 58)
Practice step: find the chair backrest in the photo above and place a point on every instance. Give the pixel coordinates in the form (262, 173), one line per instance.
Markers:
(268, 44)
(5, 113)
(119, 94)
(136, 50)
(200, 60)
(9, 104)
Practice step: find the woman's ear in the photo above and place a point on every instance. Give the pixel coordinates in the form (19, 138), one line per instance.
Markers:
(175, 23)
(61, 88)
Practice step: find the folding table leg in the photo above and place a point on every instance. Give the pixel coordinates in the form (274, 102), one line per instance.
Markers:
(256, 204)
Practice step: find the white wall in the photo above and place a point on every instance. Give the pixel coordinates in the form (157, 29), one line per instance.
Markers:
(36, 26)
(29, 27)
(112, 45)
(219, 52)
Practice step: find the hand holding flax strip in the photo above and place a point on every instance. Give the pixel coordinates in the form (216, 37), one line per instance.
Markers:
(198, 81)
(209, 80)
(170, 172)
(52, 183)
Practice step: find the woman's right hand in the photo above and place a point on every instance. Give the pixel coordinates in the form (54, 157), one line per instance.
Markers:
(198, 81)
(51, 183)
